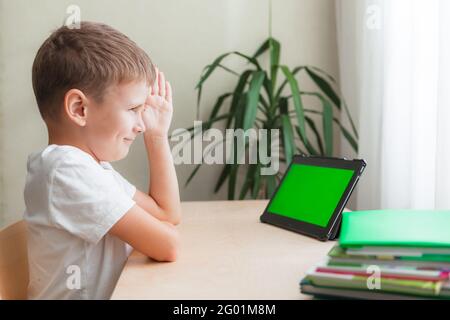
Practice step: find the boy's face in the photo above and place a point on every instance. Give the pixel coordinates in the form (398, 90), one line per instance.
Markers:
(113, 124)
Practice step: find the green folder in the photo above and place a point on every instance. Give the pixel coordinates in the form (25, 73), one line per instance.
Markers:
(411, 228)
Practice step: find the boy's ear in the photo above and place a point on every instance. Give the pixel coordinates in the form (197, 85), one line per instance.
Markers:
(75, 106)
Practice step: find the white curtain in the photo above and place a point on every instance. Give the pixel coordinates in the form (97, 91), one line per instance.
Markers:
(394, 60)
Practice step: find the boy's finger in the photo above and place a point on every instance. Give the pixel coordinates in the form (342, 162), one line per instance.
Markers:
(162, 84)
(149, 97)
(168, 96)
(155, 83)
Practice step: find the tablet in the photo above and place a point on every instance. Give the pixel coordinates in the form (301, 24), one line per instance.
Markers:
(312, 195)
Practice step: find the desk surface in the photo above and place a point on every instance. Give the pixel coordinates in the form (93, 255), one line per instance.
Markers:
(226, 253)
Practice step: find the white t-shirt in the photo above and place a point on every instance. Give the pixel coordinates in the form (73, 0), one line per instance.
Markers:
(72, 201)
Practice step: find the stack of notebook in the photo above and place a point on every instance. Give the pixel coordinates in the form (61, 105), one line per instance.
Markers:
(386, 255)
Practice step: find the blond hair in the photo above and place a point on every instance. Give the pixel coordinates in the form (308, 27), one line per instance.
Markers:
(90, 59)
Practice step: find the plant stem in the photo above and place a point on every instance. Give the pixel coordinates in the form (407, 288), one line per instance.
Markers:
(270, 19)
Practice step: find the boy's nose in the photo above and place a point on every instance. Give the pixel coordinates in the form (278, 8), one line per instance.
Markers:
(140, 126)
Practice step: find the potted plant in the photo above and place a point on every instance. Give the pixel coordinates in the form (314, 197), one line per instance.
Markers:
(261, 100)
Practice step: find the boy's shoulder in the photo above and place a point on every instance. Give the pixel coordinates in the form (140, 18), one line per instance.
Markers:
(54, 157)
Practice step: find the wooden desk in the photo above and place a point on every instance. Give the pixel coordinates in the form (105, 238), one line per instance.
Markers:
(226, 253)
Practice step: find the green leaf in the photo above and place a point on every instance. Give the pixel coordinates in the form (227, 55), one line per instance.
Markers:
(223, 176)
(249, 59)
(263, 48)
(331, 78)
(351, 140)
(285, 82)
(212, 146)
(240, 111)
(269, 91)
(199, 97)
(264, 111)
(297, 102)
(325, 87)
(288, 138)
(271, 185)
(253, 99)
(311, 123)
(308, 146)
(275, 48)
(207, 124)
(208, 70)
(347, 111)
(244, 190)
(238, 91)
(264, 103)
(248, 181)
(256, 182)
(228, 69)
(327, 120)
(286, 127)
(218, 105)
(192, 175)
(301, 151)
(232, 181)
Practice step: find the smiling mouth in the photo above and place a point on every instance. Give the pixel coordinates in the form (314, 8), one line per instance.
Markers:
(128, 140)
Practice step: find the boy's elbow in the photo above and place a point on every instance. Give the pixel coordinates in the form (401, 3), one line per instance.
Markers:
(171, 251)
(169, 255)
(174, 247)
(172, 256)
(176, 221)
(176, 218)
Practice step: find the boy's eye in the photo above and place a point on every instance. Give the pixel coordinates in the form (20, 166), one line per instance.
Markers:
(135, 109)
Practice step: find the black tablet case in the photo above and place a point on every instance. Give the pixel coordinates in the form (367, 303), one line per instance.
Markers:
(336, 228)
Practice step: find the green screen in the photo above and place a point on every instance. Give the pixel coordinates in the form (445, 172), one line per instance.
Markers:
(310, 193)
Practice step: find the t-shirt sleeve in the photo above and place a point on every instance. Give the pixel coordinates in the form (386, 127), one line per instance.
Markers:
(129, 188)
(86, 200)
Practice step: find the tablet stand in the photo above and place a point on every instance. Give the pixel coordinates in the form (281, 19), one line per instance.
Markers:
(334, 235)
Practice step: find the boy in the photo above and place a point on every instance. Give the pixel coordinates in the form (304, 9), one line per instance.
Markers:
(96, 91)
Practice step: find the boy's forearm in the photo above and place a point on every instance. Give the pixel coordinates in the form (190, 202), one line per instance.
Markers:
(163, 185)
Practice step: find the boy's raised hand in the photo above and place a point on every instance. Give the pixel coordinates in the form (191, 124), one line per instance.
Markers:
(163, 197)
(158, 108)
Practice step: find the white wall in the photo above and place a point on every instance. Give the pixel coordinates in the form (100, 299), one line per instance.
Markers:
(180, 36)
